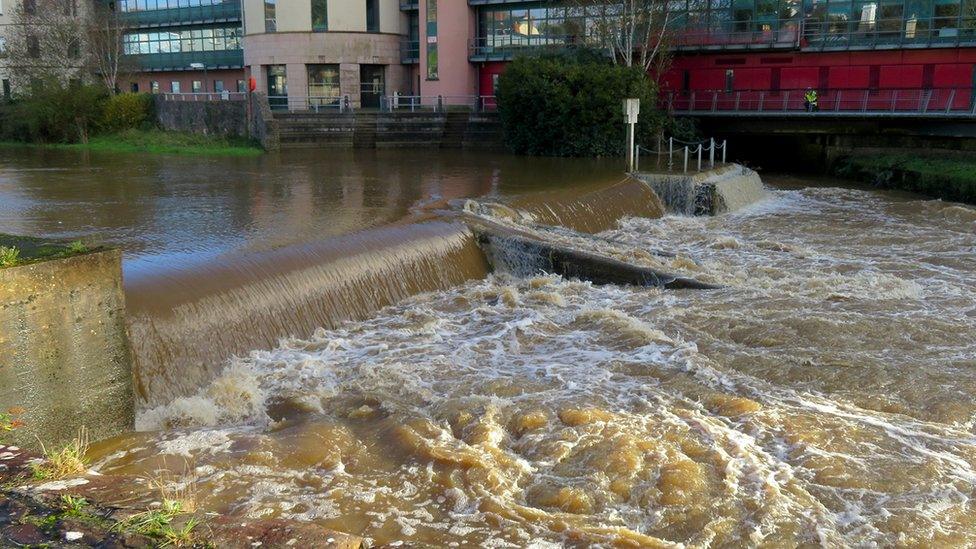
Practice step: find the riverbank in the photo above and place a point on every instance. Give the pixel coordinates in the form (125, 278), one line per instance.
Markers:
(91, 510)
(946, 178)
(157, 142)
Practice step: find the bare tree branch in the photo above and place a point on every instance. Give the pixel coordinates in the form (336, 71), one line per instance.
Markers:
(636, 32)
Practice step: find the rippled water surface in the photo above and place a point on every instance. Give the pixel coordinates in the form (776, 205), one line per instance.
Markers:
(823, 397)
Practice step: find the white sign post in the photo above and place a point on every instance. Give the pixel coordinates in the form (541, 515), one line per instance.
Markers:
(631, 111)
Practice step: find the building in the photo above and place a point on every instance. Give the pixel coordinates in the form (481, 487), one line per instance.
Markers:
(769, 46)
(183, 46)
(40, 39)
(306, 53)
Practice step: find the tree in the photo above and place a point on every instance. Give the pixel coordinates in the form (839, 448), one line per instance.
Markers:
(635, 31)
(105, 32)
(44, 43)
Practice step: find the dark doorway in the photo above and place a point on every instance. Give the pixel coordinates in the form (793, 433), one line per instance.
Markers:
(372, 85)
(277, 87)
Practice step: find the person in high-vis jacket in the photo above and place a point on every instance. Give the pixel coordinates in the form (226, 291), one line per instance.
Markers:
(810, 100)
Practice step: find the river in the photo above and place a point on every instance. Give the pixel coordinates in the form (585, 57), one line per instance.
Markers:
(822, 397)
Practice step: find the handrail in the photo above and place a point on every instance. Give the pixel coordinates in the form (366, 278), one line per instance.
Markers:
(225, 95)
(437, 103)
(311, 103)
(927, 102)
(697, 149)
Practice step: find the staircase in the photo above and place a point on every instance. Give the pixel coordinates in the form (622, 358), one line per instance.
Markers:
(370, 129)
(365, 133)
(455, 130)
(316, 130)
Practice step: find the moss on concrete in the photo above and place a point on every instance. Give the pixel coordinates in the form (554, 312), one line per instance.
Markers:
(946, 178)
(29, 249)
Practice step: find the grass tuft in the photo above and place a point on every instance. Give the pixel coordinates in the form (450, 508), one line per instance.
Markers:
(9, 256)
(73, 505)
(67, 462)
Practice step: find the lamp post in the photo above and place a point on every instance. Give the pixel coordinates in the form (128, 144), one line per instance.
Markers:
(199, 66)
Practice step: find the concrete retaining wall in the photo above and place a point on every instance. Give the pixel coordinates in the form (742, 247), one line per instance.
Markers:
(64, 352)
(227, 118)
(722, 189)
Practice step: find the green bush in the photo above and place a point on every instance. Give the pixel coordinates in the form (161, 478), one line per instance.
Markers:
(54, 112)
(570, 104)
(127, 111)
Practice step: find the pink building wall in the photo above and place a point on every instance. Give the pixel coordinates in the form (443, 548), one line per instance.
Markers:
(456, 75)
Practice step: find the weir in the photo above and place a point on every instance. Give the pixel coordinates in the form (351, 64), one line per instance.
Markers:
(186, 324)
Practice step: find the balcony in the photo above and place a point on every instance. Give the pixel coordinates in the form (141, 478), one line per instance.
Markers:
(154, 62)
(502, 47)
(410, 52)
(219, 13)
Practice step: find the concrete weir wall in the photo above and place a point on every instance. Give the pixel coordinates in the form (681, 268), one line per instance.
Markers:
(711, 192)
(64, 352)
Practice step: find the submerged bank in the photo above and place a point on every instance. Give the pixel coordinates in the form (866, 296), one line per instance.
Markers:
(949, 178)
(156, 142)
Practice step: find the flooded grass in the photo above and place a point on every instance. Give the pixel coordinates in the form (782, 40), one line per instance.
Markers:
(160, 142)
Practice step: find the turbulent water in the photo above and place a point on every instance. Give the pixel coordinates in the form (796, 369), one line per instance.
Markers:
(823, 396)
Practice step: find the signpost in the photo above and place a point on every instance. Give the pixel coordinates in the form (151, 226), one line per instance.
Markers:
(631, 112)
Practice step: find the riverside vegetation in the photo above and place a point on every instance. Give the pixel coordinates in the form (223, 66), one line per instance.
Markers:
(947, 178)
(86, 117)
(569, 103)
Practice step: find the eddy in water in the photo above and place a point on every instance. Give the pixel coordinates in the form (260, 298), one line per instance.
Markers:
(822, 397)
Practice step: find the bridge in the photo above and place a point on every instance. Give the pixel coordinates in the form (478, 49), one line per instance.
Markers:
(953, 103)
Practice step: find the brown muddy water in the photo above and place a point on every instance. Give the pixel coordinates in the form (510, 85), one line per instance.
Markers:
(823, 397)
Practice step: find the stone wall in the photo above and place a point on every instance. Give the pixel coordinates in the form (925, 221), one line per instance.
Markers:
(227, 118)
(64, 351)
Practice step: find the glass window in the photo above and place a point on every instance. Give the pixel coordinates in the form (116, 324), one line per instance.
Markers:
(432, 68)
(154, 86)
(323, 84)
(241, 86)
(270, 19)
(196, 86)
(372, 16)
(218, 86)
(320, 15)
(174, 86)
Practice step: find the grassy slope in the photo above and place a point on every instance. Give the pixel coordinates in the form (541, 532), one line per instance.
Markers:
(162, 142)
(38, 249)
(948, 178)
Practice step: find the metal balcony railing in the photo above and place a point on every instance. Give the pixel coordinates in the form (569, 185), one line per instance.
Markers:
(410, 52)
(505, 46)
(777, 33)
(314, 103)
(226, 59)
(942, 102)
(223, 12)
(827, 34)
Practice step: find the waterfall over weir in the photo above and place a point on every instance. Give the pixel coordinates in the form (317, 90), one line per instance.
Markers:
(186, 325)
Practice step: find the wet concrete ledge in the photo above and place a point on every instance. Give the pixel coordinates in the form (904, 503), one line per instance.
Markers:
(64, 352)
(722, 189)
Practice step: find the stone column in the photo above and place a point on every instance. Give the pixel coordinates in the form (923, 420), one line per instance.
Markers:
(349, 82)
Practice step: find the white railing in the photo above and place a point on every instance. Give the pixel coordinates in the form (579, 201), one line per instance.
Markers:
(311, 103)
(205, 96)
(685, 150)
(437, 103)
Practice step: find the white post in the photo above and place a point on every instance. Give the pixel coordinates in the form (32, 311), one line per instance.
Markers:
(725, 147)
(711, 153)
(631, 111)
(670, 153)
(686, 158)
(637, 158)
(699, 156)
